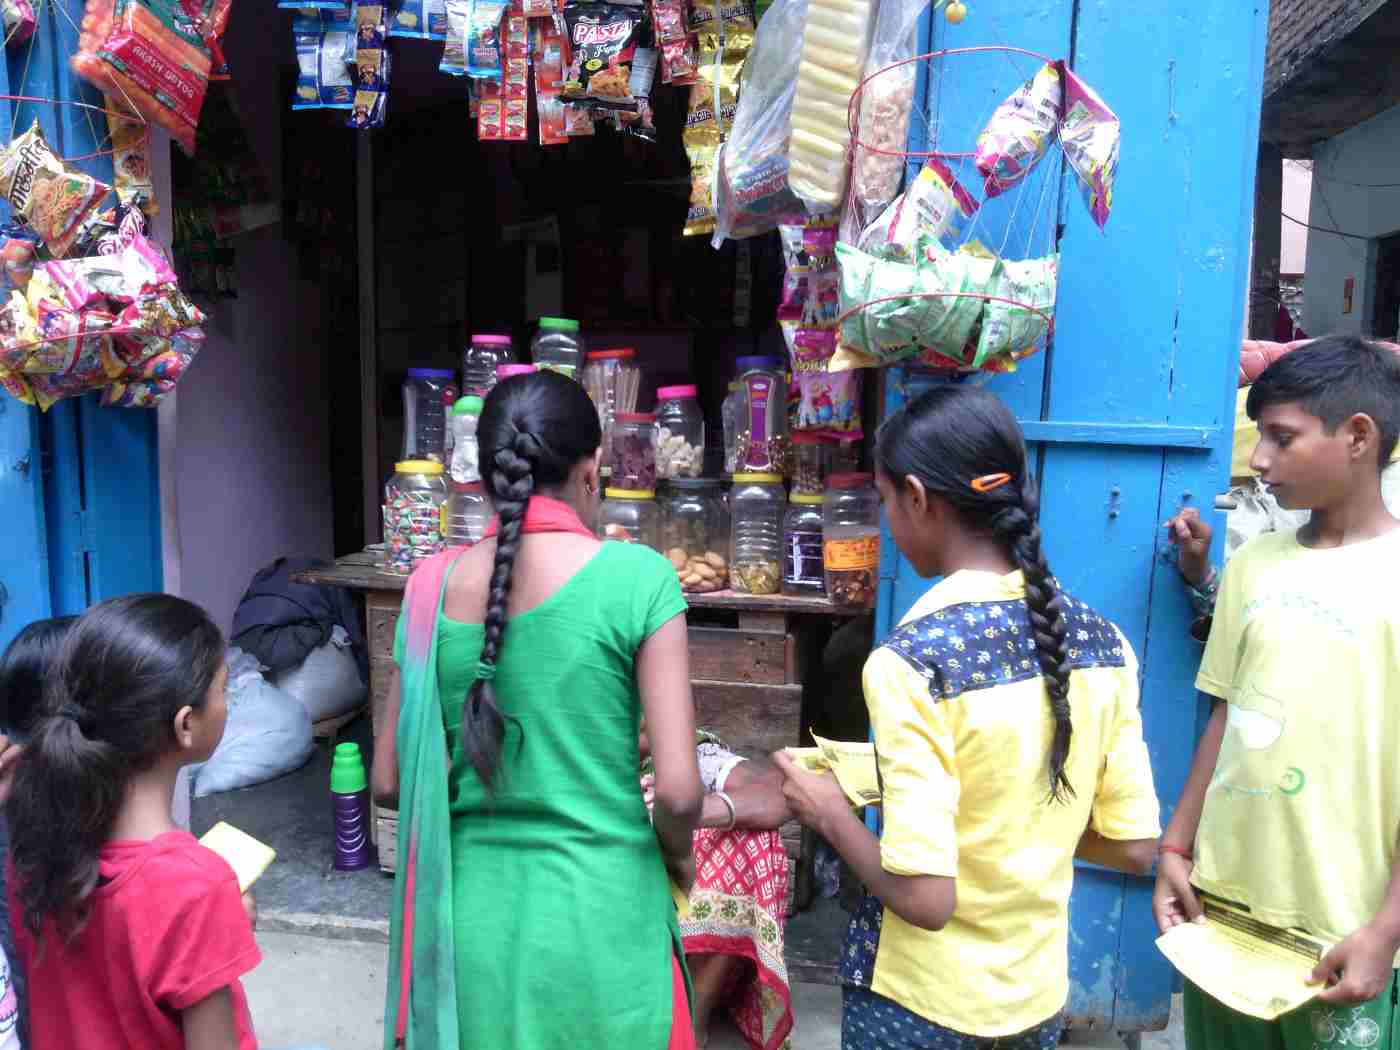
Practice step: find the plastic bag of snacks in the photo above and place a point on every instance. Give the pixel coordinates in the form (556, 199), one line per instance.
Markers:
(751, 192)
(1011, 329)
(485, 49)
(603, 45)
(1020, 130)
(54, 200)
(454, 48)
(323, 75)
(1089, 136)
(131, 156)
(932, 207)
(371, 67)
(146, 53)
(19, 21)
(421, 20)
(725, 33)
(828, 402)
(886, 102)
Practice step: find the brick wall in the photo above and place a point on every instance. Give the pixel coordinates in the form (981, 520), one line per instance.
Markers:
(1299, 29)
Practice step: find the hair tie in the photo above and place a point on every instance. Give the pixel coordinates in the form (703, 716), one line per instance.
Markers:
(484, 671)
(987, 482)
(72, 713)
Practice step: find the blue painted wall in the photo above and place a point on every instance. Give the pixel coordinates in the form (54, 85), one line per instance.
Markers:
(1130, 411)
(79, 500)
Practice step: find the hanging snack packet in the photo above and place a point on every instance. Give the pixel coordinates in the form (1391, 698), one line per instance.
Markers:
(19, 21)
(53, 200)
(713, 101)
(603, 42)
(1011, 330)
(641, 124)
(421, 20)
(140, 393)
(158, 56)
(822, 304)
(578, 120)
(131, 157)
(886, 103)
(17, 250)
(932, 207)
(828, 402)
(371, 68)
(1020, 131)
(323, 77)
(1089, 136)
(795, 274)
(454, 48)
(485, 50)
(19, 333)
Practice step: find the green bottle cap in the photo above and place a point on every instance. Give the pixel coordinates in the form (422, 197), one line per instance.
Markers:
(347, 770)
(468, 406)
(558, 324)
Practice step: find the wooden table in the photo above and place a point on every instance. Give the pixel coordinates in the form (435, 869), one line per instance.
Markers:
(749, 658)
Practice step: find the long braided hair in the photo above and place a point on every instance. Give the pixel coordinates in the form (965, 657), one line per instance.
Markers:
(949, 436)
(534, 430)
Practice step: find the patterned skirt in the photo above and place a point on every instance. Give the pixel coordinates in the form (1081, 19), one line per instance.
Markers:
(737, 908)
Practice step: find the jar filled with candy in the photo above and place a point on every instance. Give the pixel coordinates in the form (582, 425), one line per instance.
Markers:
(851, 538)
(695, 534)
(757, 502)
(633, 456)
(811, 462)
(413, 501)
(761, 446)
(680, 433)
(630, 516)
(802, 545)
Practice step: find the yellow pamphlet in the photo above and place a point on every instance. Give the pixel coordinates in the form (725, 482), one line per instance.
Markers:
(248, 857)
(682, 900)
(1258, 970)
(853, 764)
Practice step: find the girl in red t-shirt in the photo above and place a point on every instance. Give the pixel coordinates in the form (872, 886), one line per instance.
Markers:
(133, 934)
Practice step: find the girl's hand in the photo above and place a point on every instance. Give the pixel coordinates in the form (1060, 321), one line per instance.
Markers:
(250, 907)
(1174, 899)
(649, 790)
(816, 799)
(1357, 970)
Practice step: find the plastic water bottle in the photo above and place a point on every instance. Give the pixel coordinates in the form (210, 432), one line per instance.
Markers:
(350, 794)
(480, 360)
(427, 395)
(465, 462)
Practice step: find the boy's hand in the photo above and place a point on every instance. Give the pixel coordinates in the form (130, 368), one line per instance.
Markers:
(1191, 537)
(1174, 899)
(1358, 969)
(813, 798)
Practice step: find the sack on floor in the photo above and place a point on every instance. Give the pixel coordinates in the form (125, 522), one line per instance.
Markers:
(268, 733)
(327, 683)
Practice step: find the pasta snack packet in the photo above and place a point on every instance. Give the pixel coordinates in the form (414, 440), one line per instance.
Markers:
(54, 200)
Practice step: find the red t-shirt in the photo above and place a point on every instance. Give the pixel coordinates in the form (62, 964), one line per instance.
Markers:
(167, 929)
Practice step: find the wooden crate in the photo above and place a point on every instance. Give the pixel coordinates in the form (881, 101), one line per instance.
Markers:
(386, 833)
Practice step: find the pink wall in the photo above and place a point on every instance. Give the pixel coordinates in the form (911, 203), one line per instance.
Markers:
(252, 474)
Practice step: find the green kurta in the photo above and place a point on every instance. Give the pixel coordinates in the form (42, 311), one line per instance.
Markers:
(564, 921)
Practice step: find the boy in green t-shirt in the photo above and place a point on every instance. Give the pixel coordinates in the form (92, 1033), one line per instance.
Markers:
(1292, 806)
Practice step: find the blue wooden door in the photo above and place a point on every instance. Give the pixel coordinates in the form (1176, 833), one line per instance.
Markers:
(1129, 413)
(79, 500)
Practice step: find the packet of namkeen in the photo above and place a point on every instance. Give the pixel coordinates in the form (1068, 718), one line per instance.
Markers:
(1020, 130)
(1089, 136)
(45, 193)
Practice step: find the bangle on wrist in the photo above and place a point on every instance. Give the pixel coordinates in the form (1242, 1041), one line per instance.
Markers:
(1176, 851)
(729, 804)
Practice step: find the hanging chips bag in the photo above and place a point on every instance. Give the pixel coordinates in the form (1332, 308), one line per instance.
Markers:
(1020, 130)
(141, 393)
(52, 199)
(828, 402)
(323, 77)
(485, 48)
(1089, 136)
(371, 97)
(603, 40)
(454, 48)
(19, 21)
(1011, 330)
(714, 99)
(421, 20)
(131, 157)
(933, 207)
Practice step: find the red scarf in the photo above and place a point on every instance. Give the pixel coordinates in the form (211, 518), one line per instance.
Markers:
(544, 514)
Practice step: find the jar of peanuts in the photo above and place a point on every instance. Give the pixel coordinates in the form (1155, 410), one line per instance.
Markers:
(695, 534)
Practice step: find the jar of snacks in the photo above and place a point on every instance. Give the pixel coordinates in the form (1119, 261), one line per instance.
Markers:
(413, 500)
(802, 545)
(633, 456)
(762, 439)
(557, 347)
(613, 381)
(851, 538)
(680, 433)
(695, 534)
(731, 409)
(630, 516)
(755, 563)
(811, 462)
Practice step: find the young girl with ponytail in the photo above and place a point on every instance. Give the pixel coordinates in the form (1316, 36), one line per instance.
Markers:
(1008, 742)
(533, 908)
(130, 932)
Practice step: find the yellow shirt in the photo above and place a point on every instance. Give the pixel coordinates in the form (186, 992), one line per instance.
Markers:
(962, 732)
(1301, 817)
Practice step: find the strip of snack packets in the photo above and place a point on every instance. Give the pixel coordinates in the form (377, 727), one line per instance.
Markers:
(725, 31)
(371, 67)
(503, 113)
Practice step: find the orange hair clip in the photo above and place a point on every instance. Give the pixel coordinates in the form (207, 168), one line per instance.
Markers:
(987, 482)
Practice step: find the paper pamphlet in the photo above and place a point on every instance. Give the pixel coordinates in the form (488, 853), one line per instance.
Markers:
(681, 899)
(248, 857)
(1258, 970)
(852, 763)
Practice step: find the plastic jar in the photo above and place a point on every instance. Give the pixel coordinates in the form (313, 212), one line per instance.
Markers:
(633, 455)
(802, 545)
(845, 456)
(851, 538)
(466, 514)
(695, 534)
(630, 516)
(730, 411)
(466, 462)
(680, 433)
(761, 446)
(811, 462)
(427, 395)
(512, 369)
(558, 347)
(757, 502)
(613, 381)
(480, 360)
(413, 500)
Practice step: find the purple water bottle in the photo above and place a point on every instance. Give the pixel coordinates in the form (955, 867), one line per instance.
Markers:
(350, 794)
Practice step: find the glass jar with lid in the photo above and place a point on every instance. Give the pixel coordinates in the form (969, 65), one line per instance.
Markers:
(757, 502)
(695, 533)
(851, 538)
(680, 433)
(761, 446)
(413, 501)
(802, 545)
(633, 456)
(811, 462)
(630, 516)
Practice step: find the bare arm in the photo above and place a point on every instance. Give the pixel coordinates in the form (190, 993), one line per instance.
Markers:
(1359, 968)
(209, 1023)
(663, 679)
(1134, 856)
(384, 773)
(1174, 901)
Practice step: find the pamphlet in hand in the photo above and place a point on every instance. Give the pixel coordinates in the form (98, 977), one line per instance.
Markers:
(248, 857)
(852, 763)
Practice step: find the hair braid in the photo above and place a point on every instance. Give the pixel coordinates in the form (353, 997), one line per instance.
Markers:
(512, 482)
(1016, 526)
